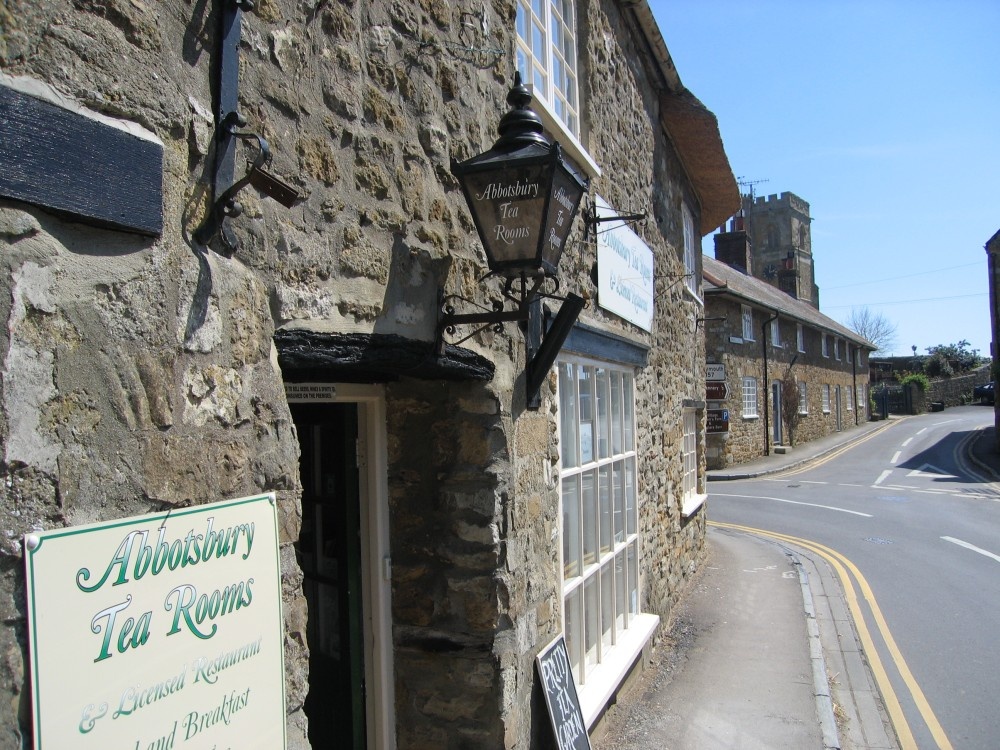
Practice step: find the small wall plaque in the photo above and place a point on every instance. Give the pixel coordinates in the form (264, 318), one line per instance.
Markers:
(77, 165)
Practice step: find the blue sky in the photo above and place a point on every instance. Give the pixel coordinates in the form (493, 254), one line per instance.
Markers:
(885, 117)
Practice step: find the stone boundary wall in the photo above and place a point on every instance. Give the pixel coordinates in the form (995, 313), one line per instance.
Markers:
(951, 391)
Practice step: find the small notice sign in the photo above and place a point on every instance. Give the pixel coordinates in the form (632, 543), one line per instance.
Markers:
(717, 420)
(561, 697)
(715, 371)
(160, 631)
(297, 393)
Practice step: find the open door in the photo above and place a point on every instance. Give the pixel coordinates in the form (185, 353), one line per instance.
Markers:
(343, 555)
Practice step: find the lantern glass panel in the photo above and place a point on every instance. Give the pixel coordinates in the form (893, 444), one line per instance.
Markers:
(567, 192)
(507, 205)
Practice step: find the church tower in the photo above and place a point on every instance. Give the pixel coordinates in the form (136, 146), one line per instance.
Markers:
(780, 234)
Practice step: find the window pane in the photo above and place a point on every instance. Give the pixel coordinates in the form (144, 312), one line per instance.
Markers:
(574, 636)
(571, 526)
(628, 421)
(569, 440)
(618, 482)
(589, 518)
(592, 612)
(607, 604)
(538, 41)
(633, 580)
(538, 7)
(586, 376)
(616, 413)
(621, 591)
(539, 79)
(605, 498)
(603, 427)
(522, 64)
(521, 22)
(631, 515)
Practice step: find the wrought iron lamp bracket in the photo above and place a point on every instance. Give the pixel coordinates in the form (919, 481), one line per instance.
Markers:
(229, 120)
(543, 334)
(592, 220)
(226, 204)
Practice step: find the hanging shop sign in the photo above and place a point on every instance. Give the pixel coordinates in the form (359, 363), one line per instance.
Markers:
(624, 270)
(159, 631)
(716, 421)
(715, 371)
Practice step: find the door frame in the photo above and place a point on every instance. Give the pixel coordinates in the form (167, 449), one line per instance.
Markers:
(380, 704)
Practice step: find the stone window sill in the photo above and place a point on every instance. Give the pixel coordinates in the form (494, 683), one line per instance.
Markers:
(691, 504)
(604, 681)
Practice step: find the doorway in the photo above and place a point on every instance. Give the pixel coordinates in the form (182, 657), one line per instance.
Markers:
(776, 431)
(836, 396)
(343, 553)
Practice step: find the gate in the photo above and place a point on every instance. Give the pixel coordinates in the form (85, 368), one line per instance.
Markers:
(892, 399)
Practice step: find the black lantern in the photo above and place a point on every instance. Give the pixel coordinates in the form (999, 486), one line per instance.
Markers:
(523, 197)
(521, 193)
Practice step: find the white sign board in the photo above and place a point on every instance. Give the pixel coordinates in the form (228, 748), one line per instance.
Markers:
(624, 270)
(160, 631)
(715, 371)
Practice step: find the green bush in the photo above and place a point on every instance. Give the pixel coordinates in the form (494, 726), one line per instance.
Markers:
(938, 366)
(916, 377)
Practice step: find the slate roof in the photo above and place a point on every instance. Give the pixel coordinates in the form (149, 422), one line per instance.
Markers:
(720, 279)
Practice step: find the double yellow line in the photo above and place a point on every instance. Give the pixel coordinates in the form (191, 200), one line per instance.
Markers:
(845, 569)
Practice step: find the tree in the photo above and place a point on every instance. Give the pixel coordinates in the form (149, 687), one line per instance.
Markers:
(874, 327)
(960, 354)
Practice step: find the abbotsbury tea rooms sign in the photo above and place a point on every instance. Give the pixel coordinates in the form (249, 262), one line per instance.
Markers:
(159, 632)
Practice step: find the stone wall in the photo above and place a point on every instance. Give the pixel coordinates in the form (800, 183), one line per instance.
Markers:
(140, 373)
(957, 390)
(745, 440)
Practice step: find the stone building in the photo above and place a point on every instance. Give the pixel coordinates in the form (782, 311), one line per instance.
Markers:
(790, 373)
(780, 231)
(164, 349)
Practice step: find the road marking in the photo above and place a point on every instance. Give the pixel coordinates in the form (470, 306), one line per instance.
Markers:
(806, 481)
(845, 569)
(882, 477)
(792, 502)
(929, 470)
(947, 421)
(907, 441)
(895, 457)
(973, 547)
(922, 431)
(830, 456)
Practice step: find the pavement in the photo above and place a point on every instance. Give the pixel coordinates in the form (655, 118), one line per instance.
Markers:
(761, 652)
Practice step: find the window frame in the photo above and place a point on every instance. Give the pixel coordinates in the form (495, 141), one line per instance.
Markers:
(803, 398)
(608, 456)
(690, 252)
(800, 338)
(824, 345)
(746, 315)
(775, 329)
(751, 401)
(543, 102)
(826, 398)
(692, 494)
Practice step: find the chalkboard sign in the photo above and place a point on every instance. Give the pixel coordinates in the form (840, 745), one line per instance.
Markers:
(561, 697)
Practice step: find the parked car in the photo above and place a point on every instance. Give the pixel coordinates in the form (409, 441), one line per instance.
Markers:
(984, 393)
